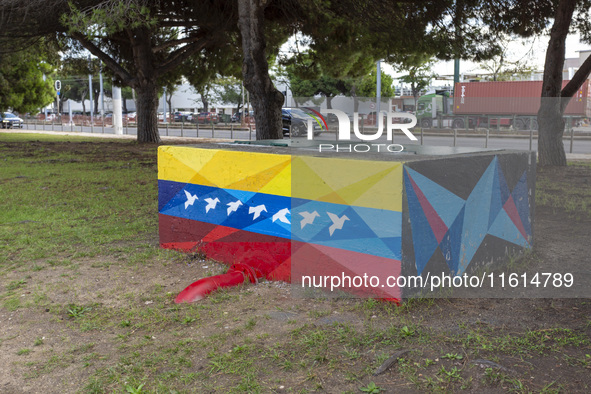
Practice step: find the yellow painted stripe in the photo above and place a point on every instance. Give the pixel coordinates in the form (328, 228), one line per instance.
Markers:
(249, 171)
(364, 183)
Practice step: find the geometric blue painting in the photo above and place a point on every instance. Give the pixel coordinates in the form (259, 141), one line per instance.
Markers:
(440, 219)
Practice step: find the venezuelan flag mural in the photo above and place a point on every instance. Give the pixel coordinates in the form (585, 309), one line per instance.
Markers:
(232, 206)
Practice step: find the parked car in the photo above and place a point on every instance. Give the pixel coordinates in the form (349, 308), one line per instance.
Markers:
(237, 116)
(50, 116)
(207, 117)
(161, 117)
(181, 116)
(11, 121)
(297, 120)
(131, 116)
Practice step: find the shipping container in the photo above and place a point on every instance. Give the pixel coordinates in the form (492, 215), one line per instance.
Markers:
(509, 98)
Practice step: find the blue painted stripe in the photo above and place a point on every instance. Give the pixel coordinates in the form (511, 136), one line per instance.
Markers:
(221, 213)
(371, 231)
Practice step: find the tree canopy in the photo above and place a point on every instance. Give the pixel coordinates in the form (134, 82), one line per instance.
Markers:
(22, 85)
(143, 43)
(146, 44)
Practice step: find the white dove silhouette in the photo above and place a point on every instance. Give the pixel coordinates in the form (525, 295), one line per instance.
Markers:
(337, 222)
(281, 216)
(308, 218)
(190, 199)
(233, 206)
(211, 203)
(257, 210)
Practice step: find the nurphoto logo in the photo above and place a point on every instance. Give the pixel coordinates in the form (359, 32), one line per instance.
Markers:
(365, 124)
(344, 133)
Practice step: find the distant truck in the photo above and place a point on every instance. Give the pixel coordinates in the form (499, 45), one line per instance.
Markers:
(491, 104)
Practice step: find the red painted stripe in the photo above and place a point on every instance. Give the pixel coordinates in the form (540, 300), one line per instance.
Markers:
(437, 225)
(278, 258)
(511, 210)
(324, 261)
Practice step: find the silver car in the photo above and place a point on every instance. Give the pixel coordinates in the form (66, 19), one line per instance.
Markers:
(10, 121)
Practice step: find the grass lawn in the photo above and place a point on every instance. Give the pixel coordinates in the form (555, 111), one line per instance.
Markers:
(86, 299)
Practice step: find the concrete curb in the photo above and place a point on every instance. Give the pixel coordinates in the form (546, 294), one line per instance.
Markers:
(111, 136)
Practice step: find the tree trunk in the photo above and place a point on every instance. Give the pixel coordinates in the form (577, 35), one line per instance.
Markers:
(550, 115)
(147, 114)
(169, 102)
(146, 89)
(328, 102)
(97, 99)
(266, 99)
(550, 131)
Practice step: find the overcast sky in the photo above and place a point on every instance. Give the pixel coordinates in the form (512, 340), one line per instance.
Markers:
(516, 51)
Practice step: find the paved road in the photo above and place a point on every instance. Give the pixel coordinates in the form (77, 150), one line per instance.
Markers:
(582, 146)
(579, 146)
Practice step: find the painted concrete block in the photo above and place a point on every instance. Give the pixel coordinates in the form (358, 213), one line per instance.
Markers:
(290, 212)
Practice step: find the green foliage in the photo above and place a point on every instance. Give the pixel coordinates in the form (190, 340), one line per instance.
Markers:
(337, 45)
(418, 69)
(228, 90)
(134, 390)
(371, 388)
(325, 86)
(307, 79)
(367, 85)
(110, 17)
(453, 356)
(219, 66)
(22, 88)
(15, 284)
(74, 76)
(77, 310)
(22, 352)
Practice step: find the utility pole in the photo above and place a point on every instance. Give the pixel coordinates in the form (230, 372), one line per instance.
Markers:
(117, 115)
(164, 106)
(378, 89)
(102, 92)
(45, 108)
(70, 113)
(243, 106)
(58, 87)
(90, 90)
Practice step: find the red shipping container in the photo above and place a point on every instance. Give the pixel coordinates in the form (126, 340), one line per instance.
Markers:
(513, 98)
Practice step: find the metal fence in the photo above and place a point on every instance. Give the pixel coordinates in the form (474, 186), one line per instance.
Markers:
(83, 124)
(576, 140)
